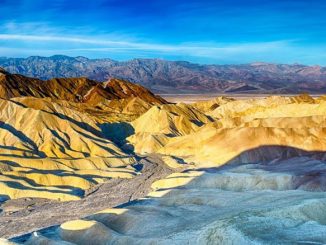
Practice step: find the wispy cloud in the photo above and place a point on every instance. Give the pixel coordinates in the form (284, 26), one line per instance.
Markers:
(113, 47)
(33, 38)
(105, 45)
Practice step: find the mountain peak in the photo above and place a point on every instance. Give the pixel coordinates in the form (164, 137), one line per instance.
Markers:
(125, 89)
(60, 56)
(74, 89)
(260, 63)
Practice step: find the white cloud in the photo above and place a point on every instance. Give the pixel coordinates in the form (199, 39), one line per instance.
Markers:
(109, 45)
(282, 51)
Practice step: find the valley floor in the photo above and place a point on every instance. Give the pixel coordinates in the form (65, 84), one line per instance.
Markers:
(24, 215)
(264, 203)
(193, 98)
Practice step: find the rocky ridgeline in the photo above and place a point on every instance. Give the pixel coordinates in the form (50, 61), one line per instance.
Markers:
(176, 76)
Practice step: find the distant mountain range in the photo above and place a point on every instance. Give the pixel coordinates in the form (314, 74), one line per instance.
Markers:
(162, 76)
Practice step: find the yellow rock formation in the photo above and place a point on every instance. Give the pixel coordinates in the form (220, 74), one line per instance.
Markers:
(269, 178)
(210, 105)
(244, 125)
(158, 125)
(48, 150)
(58, 149)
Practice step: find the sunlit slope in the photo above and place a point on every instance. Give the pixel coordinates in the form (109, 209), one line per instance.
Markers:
(47, 150)
(210, 105)
(250, 124)
(273, 106)
(215, 132)
(158, 125)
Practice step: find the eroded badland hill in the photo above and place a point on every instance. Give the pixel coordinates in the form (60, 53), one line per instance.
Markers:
(225, 170)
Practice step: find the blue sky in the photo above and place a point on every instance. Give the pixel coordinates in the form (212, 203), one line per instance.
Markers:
(221, 31)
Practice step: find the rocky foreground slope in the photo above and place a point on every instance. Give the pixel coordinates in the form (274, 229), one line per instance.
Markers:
(227, 171)
(177, 76)
(55, 144)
